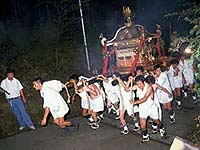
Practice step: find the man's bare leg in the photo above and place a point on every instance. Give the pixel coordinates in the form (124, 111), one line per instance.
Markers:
(95, 124)
(123, 122)
(143, 125)
(168, 106)
(85, 112)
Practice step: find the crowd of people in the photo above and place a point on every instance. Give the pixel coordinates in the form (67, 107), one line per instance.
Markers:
(141, 95)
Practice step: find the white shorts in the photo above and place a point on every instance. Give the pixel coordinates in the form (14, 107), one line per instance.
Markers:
(129, 108)
(103, 95)
(61, 112)
(163, 97)
(84, 100)
(97, 104)
(151, 111)
(157, 103)
(136, 108)
(85, 103)
(189, 77)
(126, 106)
(113, 98)
(189, 81)
(178, 83)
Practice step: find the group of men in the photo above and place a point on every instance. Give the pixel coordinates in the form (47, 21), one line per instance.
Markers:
(140, 95)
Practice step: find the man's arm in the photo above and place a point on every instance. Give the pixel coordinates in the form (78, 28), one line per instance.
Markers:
(46, 113)
(101, 77)
(94, 90)
(23, 96)
(146, 96)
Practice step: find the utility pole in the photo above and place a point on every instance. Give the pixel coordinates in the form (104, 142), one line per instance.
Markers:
(84, 37)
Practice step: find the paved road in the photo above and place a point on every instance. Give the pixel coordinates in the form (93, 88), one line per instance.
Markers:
(51, 138)
(107, 137)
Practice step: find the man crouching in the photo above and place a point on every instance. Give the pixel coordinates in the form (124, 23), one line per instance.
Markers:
(54, 103)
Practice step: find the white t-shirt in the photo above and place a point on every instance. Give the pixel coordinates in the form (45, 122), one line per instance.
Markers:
(163, 81)
(175, 81)
(12, 86)
(187, 71)
(141, 93)
(52, 97)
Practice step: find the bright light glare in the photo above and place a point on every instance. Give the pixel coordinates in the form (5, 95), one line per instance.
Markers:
(188, 50)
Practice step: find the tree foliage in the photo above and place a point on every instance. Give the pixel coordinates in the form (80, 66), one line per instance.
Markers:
(191, 14)
(49, 46)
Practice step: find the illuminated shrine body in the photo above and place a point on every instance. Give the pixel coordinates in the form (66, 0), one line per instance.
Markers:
(131, 46)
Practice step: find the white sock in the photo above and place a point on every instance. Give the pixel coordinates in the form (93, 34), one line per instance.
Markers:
(194, 97)
(185, 94)
(125, 127)
(117, 111)
(101, 115)
(91, 119)
(179, 102)
(137, 124)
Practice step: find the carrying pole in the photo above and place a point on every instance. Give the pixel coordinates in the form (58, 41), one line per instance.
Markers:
(84, 37)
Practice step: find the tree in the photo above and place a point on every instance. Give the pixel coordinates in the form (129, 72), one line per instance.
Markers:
(191, 14)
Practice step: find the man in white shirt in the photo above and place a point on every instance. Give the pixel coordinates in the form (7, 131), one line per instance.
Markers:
(54, 103)
(124, 97)
(166, 100)
(176, 80)
(188, 75)
(147, 107)
(14, 95)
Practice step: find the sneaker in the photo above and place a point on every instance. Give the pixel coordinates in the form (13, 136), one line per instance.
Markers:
(21, 128)
(117, 117)
(98, 119)
(195, 101)
(185, 94)
(101, 116)
(154, 131)
(90, 123)
(136, 128)
(32, 127)
(179, 106)
(114, 112)
(95, 126)
(162, 132)
(172, 120)
(145, 138)
(90, 119)
(125, 132)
